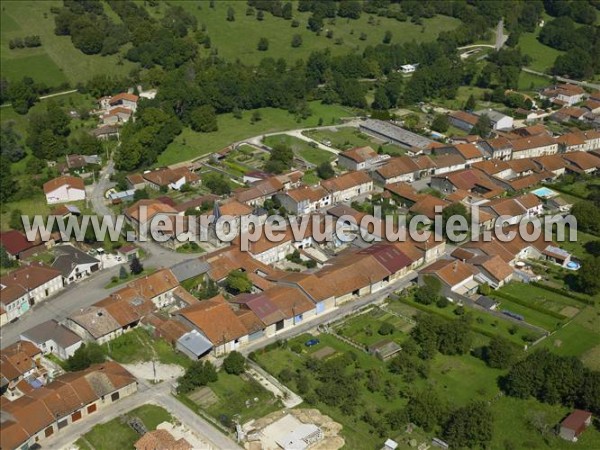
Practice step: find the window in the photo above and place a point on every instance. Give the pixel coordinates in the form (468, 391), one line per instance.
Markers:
(91, 408)
(114, 396)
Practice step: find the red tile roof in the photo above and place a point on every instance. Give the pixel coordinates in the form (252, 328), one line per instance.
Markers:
(73, 182)
(15, 242)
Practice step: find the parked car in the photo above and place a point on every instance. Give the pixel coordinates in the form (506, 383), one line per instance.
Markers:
(311, 342)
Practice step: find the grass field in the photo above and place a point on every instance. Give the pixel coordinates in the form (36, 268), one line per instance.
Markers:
(233, 395)
(345, 138)
(118, 434)
(56, 61)
(483, 322)
(301, 148)
(457, 380)
(530, 82)
(364, 328)
(189, 144)
(138, 345)
(225, 36)
(542, 56)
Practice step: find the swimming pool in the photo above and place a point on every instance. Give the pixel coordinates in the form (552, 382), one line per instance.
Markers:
(544, 192)
(573, 265)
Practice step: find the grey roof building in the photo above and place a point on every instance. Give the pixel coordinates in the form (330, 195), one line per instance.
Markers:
(193, 344)
(189, 269)
(52, 337)
(395, 134)
(74, 264)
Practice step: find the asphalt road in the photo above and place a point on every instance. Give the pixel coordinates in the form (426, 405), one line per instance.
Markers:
(91, 290)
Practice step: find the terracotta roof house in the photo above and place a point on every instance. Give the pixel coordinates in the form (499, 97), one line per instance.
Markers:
(50, 409)
(456, 276)
(429, 206)
(582, 162)
(404, 168)
(143, 211)
(403, 193)
(493, 270)
(532, 130)
(16, 244)
(360, 158)
(499, 148)
(568, 94)
(64, 189)
(305, 199)
(534, 146)
(463, 120)
(348, 186)
(161, 440)
(170, 178)
(470, 180)
(575, 424)
(26, 286)
(215, 319)
(17, 362)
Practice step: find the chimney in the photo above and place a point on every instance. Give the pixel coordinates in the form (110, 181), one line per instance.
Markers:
(455, 265)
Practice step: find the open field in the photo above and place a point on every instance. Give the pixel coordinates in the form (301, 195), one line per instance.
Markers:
(232, 395)
(542, 56)
(118, 434)
(56, 61)
(138, 345)
(483, 323)
(190, 145)
(347, 138)
(225, 35)
(456, 379)
(531, 82)
(301, 148)
(364, 328)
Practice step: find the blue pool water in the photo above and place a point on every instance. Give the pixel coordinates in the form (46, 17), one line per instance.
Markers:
(573, 265)
(543, 192)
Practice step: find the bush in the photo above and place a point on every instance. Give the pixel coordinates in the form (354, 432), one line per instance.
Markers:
(442, 302)
(234, 363)
(386, 328)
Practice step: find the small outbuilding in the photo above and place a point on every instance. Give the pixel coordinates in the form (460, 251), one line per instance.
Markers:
(575, 424)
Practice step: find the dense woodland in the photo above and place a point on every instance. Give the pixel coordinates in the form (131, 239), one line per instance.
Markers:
(194, 89)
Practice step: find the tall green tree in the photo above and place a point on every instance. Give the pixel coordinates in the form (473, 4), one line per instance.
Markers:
(470, 426)
(237, 282)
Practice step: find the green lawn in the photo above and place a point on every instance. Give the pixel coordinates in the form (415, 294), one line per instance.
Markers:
(483, 322)
(138, 345)
(225, 36)
(56, 61)
(363, 328)
(345, 138)
(530, 82)
(458, 380)
(513, 428)
(301, 148)
(118, 434)
(233, 392)
(189, 144)
(237, 397)
(542, 56)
